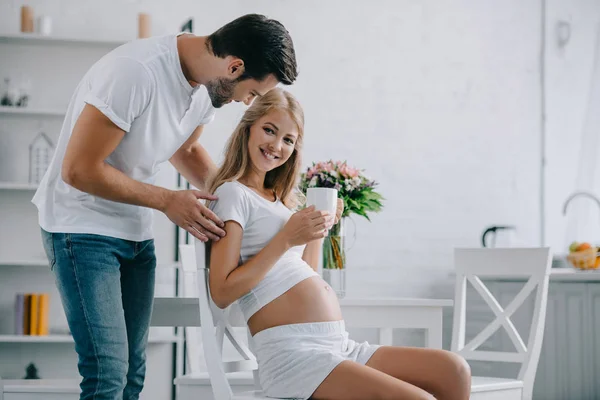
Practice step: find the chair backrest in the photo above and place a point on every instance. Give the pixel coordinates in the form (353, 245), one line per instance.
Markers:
(190, 289)
(533, 264)
(215, 325)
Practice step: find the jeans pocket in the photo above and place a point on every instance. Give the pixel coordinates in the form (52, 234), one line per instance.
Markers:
(48, 241)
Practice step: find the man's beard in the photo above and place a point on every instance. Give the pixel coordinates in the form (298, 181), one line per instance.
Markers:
(220, 91)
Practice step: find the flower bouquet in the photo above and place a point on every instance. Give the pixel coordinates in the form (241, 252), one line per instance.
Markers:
(359, 196)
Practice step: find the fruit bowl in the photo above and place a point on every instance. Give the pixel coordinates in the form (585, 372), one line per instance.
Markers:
(584, 259)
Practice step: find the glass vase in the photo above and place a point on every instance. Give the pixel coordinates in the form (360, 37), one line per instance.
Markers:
(334, 258)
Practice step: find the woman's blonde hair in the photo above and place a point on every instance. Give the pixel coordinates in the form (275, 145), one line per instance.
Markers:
(283, 179)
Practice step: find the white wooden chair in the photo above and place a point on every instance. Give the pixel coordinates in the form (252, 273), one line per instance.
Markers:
(473, 264)
(194, 353)
(215, 325)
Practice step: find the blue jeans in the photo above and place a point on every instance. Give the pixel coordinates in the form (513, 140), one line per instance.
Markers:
(107, 289)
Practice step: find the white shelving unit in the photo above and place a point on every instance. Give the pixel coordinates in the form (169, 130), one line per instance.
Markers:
(18, 111)
(44, 263)
(18, 186)
(69, 339)
(24, 263)
(22, 268)
(34, 39)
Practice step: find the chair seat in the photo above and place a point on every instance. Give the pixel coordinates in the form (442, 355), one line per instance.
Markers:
(484, 384)
(257, 394)
(241, 378)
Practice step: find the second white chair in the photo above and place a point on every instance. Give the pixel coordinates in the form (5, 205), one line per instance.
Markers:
(533, 264)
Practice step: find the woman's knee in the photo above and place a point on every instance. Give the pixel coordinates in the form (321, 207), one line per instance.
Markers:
(461, 368)
(458, 374)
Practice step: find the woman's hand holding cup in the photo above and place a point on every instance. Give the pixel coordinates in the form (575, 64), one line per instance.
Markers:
(306, 225)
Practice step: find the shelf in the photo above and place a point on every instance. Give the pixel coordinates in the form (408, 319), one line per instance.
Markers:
(31, 111)
(17, 186)
(23, 263)
(44, 263)
(32, 38)
(69, 339)
(36, 339)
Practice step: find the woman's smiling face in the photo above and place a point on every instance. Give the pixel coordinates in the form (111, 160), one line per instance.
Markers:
(272, 140)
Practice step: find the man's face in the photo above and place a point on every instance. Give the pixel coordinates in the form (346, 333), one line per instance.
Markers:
(223, 90)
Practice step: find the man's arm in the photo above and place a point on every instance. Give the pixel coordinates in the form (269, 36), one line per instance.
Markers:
(93, 139)
(193, 161)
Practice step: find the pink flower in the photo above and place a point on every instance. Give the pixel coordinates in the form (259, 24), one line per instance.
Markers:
(310, 172)
(349, 172)
(323, 167)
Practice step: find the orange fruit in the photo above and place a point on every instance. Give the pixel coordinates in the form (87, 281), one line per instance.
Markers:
(584, 246)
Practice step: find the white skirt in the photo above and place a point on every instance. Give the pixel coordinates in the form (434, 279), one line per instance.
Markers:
(293, 360)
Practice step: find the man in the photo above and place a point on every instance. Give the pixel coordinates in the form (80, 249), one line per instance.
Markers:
(142, 104)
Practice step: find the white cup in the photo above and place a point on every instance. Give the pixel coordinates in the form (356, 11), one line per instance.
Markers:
(324, 199)
(44, 25)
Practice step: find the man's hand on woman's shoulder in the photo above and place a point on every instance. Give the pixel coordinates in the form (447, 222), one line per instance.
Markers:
(185, 210)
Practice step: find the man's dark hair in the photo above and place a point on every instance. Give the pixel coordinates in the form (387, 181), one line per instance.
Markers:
(263, 44)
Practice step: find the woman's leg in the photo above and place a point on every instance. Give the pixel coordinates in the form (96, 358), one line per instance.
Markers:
(353, 381)
(444, 374)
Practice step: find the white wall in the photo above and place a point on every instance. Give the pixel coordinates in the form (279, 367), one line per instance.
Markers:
(572, 147)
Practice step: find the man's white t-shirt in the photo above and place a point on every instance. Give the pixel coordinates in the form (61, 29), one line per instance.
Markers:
(141, 88)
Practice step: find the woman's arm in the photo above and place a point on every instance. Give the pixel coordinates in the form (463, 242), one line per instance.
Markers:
(312, 252)
(228, 282)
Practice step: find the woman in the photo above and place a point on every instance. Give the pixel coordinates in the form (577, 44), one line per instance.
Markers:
(267, 262)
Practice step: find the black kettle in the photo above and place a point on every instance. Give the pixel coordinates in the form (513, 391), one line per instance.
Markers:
(497, 236)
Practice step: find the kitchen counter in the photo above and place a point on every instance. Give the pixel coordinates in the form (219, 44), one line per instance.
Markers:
(574, 275)
(559, 275)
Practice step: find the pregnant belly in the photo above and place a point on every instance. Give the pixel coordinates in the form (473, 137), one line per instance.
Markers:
(311, 300)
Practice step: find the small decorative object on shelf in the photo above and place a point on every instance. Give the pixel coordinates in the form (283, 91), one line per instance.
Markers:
(31, 372)
(10, 93)
(144, 28)
(23, 93)
(5, 97)
(13, 95)
(188, 26)
(44, 25)
(41, 151)
(26, 19)
(360, 197)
